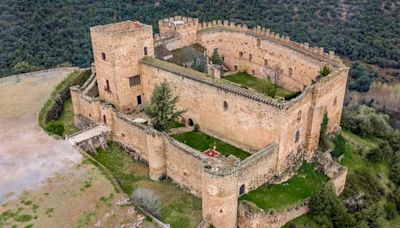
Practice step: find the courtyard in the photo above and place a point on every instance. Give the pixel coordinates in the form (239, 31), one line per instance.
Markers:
(201, 142)
(291, 192)
(263, 86)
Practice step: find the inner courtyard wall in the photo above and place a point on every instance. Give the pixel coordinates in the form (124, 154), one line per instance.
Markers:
(246, 123)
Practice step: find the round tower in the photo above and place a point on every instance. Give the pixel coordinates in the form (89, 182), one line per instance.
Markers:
(220, 191)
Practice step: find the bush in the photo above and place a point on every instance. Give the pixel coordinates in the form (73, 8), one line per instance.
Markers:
(390, 209)
(55, 128)
(395, 173)
(323, 138)
(148, 200)
(381, 153)
(327, 208)
(325, 71)
(363, 180)
(340, 145)
(196, 127)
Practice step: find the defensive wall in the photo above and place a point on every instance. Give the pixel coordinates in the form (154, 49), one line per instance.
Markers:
(280, 134)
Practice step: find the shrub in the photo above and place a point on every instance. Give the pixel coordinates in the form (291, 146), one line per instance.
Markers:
(390, 209)
(148, 200)
(327, 208)
(340, 145)
(363, 180)
(215, 58)
(395, 173)
(55, 128)
(323, 140)
(325, 70)
(382, 152)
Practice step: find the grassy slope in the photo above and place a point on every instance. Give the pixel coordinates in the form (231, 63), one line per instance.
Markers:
(257, 84)
(353, 161)
(294, 191)
(67, 118)
(178, 208)
(202, 142)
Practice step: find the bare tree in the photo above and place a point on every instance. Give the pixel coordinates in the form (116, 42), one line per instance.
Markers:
(147, 199)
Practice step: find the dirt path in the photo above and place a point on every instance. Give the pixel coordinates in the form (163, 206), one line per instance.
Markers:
(43, 181)
(28, 156)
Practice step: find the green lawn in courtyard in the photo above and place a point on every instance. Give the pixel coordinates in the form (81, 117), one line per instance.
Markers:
(260, 85)
(294, 191)
(202, 142)
(178, 208)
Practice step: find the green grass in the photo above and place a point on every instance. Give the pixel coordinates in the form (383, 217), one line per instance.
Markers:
(176, 124)
(178, 208)
(202, 142)
(294, 191)
(67, 118)
(75, 78)
(304, 221)
(259, 85)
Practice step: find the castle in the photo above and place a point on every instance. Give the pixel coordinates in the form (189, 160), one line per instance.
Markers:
(278, 133)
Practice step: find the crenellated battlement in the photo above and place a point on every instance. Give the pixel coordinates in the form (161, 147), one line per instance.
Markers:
(266, 33)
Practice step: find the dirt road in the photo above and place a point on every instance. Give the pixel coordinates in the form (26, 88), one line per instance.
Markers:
(28, 155)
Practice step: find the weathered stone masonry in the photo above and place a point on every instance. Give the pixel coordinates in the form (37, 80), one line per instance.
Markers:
(279, 134)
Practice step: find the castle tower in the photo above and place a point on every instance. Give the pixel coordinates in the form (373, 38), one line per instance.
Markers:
(117, 49)
(220, 191)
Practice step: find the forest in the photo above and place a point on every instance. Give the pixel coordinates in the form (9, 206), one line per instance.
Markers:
(45, 34)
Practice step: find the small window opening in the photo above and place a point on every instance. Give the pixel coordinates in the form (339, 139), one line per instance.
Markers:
(297, 138)
(139, 100)
(236, 67)
(145, 50)
(225, 105)
(335, 101)
(107, 88)
(299, 115)
(250, 57)
(253, 72)
(103, 56)
(242, 190)
(135, 80)
(265, 62)
(104, 119)
(191, 123)
(241, 54)
(290, 72)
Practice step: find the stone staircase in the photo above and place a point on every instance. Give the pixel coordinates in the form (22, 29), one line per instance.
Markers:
(91, 138)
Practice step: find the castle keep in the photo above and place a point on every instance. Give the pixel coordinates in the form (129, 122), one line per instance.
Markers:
(279, 134)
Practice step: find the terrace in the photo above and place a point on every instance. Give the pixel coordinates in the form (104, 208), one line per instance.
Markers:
(263, 86)
(202, 142)
(292, 192)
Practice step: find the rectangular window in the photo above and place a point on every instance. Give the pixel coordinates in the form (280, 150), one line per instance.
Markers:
(297, 138)
(103, 56)
(139, 100)
(135, 80)
(107, 87)
(145, 50)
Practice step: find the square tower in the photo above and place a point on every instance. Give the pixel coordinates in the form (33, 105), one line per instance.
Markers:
(117, 49)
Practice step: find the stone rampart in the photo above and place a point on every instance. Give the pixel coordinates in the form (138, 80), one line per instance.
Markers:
(258, 168)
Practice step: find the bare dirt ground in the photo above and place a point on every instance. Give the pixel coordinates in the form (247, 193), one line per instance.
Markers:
(43, 181)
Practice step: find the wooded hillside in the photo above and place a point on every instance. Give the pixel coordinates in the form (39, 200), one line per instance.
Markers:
(49, 33)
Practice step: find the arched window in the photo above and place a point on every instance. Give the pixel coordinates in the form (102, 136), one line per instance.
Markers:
(242, 190)
(225, 105)
(191, 123)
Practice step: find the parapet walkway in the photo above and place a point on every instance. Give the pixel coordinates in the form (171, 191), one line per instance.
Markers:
(91, 138)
